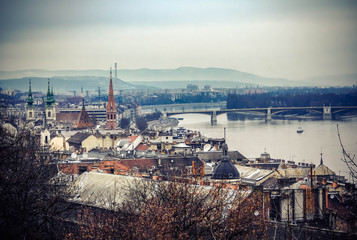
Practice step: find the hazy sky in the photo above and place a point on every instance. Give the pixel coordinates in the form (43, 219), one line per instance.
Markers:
(291, 39)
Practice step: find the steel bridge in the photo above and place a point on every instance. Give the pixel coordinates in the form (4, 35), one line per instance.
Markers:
(326, 111)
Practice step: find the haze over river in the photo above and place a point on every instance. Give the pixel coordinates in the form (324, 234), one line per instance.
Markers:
(280, 139)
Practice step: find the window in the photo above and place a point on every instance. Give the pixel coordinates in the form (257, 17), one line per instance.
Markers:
(30, 114)
(46, 139)
(108, 116)
(82, 169)
(49, 114)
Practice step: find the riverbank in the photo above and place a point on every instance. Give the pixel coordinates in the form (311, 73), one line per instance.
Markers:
(251, 137)
(163, 123)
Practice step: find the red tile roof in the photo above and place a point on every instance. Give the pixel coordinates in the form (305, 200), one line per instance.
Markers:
(132, 138)
(142, 147)
(145, 163)
(83, 120)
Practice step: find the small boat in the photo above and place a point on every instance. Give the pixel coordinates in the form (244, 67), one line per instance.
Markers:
(299, 130)
(180, 118)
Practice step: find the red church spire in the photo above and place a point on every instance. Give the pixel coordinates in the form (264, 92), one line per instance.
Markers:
(111, 108)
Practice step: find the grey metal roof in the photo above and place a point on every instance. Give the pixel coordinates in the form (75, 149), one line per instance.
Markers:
(78, 138)
(217, 155)
(109, 191)
(254, 174)
(101, 189)
(225, 170)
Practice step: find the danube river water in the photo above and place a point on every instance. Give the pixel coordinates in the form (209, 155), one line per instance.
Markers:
(280, 139)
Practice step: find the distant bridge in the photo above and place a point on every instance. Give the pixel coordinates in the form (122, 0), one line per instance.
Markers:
(184, 107)
(325, 111)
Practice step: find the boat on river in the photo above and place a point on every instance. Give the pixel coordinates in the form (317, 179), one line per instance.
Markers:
(300, 130)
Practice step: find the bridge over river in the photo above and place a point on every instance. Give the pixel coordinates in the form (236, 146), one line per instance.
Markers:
(215, 109)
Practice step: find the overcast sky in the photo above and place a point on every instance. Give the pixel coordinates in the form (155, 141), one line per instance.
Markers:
(290, 39)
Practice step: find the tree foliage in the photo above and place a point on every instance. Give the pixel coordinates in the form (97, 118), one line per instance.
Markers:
(141, 123)
(153, 116)
(124, 123)
(290, 99)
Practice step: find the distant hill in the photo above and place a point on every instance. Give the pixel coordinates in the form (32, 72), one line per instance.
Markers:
(65, 84)
(52, 73)
(156, 75)
(200, 74)
(172, 78)
(200, 84)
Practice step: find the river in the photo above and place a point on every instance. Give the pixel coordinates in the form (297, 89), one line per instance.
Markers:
(280, 139)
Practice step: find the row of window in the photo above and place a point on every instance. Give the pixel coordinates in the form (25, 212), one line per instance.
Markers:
(111, 116)
(48, 114)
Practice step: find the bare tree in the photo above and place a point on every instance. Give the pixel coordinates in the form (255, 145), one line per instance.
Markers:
(179, 210)
(348, 159)
(30, 202)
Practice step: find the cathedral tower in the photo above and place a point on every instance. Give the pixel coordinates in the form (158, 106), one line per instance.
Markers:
(111, 108)
(50, 109)
(30, 110)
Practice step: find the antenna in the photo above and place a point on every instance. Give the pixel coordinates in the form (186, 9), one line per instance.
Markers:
(116, 76)
(224, 134)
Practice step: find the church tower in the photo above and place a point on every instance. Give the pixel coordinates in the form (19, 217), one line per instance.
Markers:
(30, 110)
(50, 109)
(111, 108)
(83, 120)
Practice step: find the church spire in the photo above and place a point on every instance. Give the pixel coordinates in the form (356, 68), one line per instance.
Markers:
(48, 97)
(52, 96)
(83, 120)
(30, 98)
(48, 89)
(321, 161)
(111, 85)
(111, 108)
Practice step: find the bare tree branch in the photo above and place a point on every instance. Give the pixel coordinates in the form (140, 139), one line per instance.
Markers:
(348, 159)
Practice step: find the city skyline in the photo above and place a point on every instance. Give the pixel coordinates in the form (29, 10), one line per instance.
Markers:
(292, 40)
